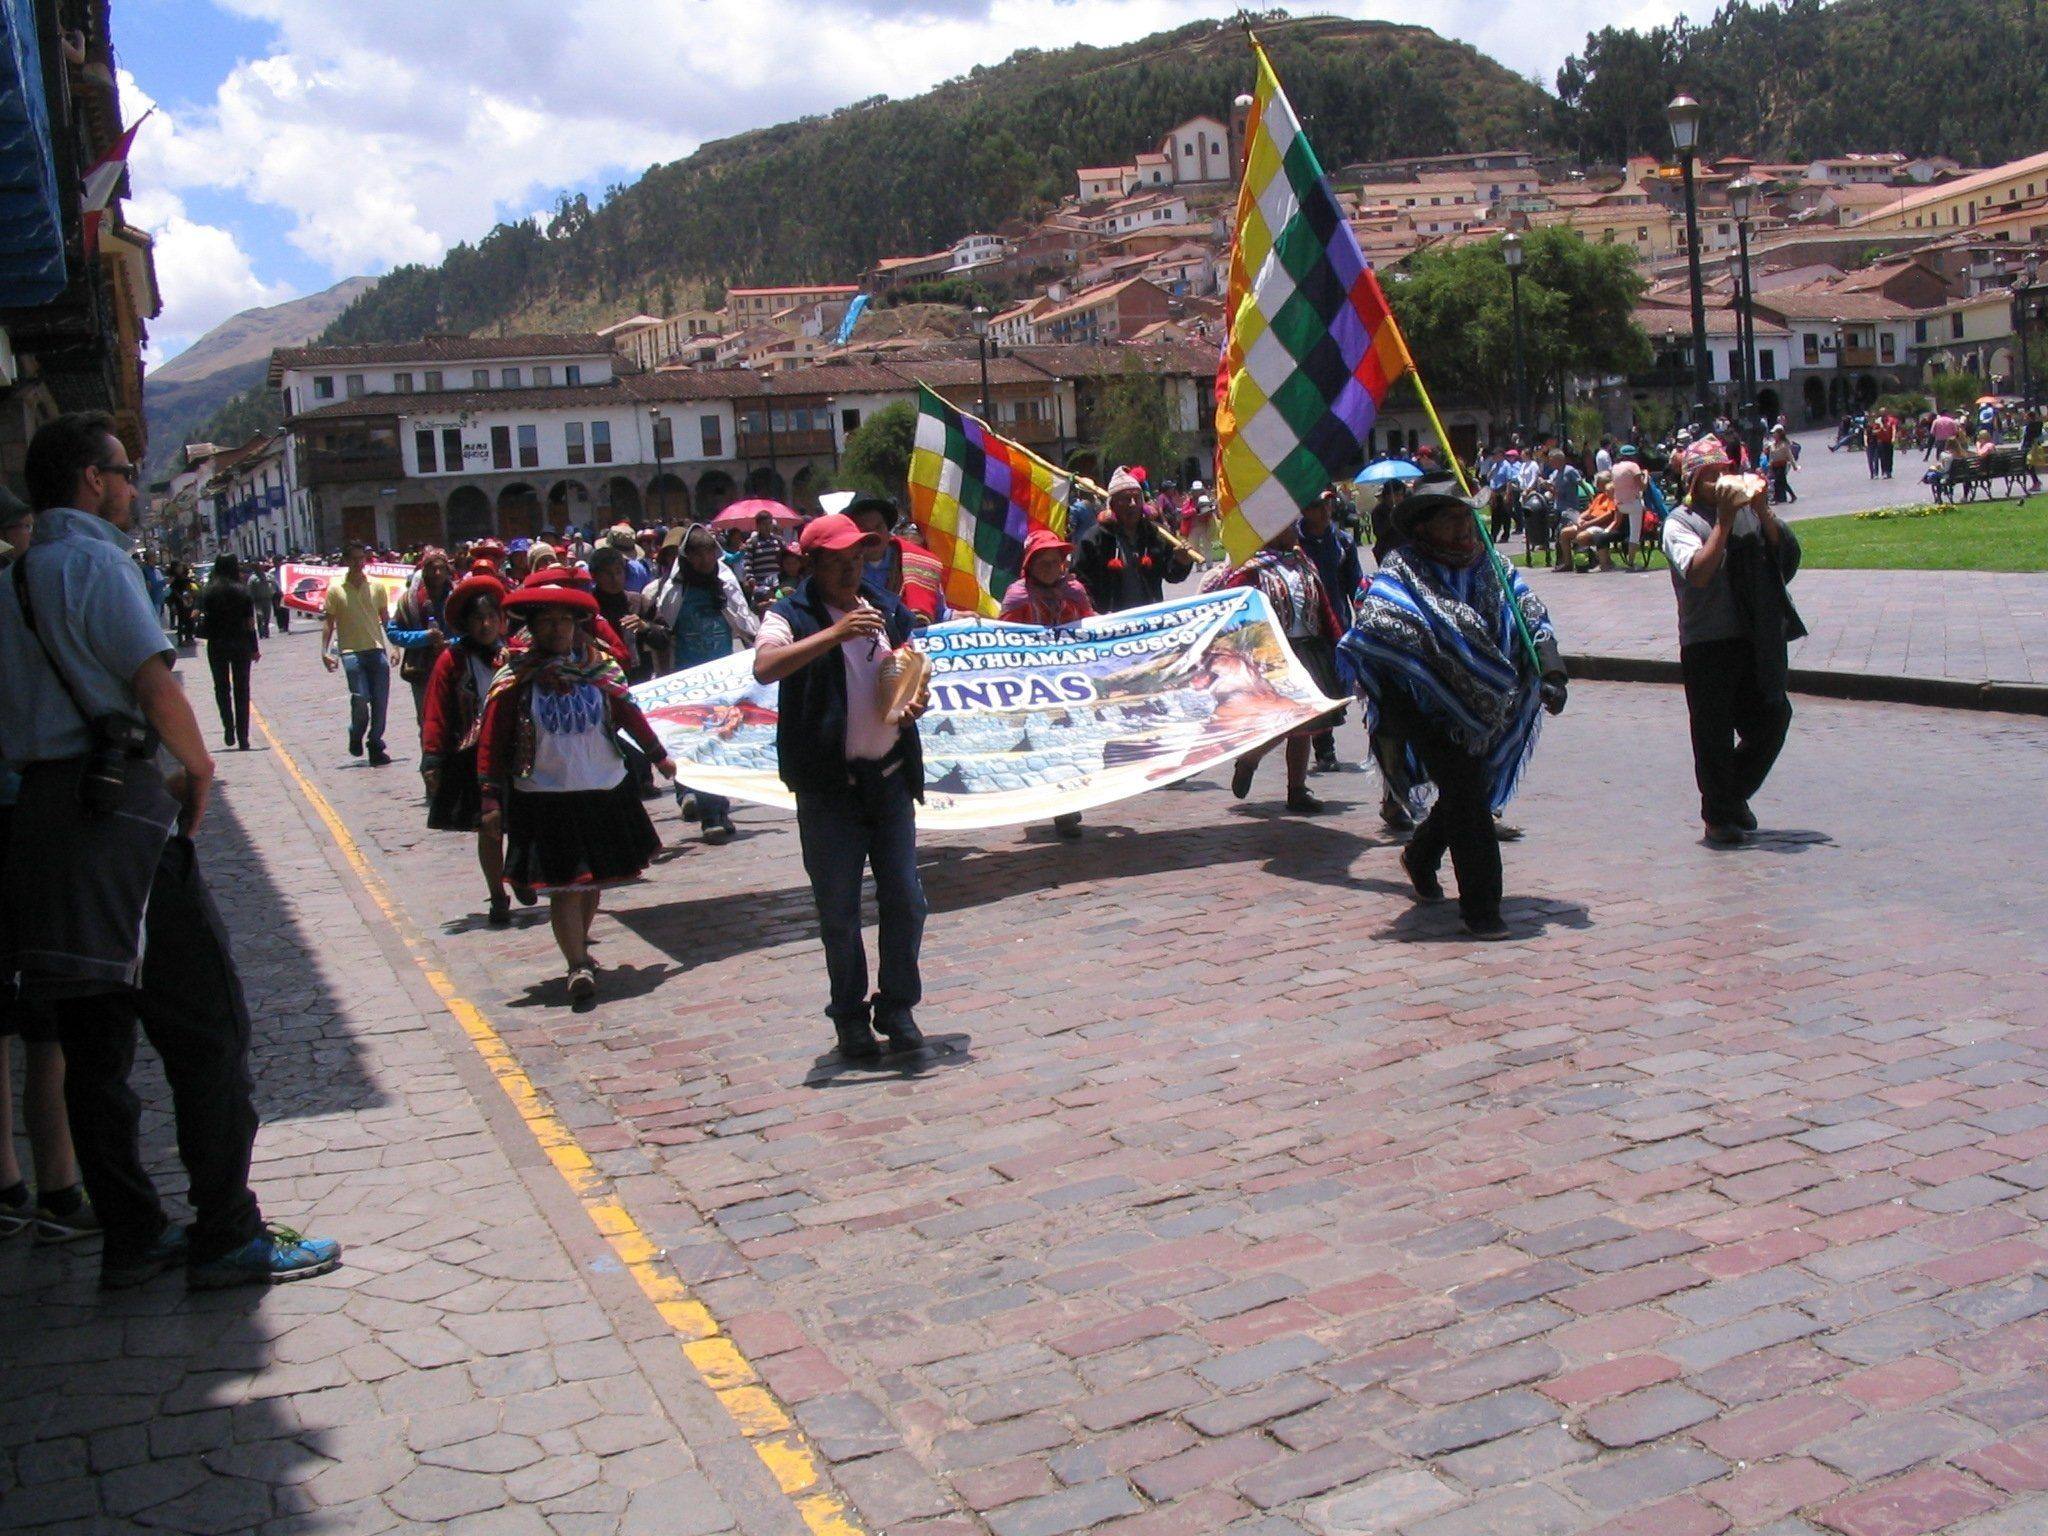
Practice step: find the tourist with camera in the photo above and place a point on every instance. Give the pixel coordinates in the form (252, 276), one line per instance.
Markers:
(109, 921)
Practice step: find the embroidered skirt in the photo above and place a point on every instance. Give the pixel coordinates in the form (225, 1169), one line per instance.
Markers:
(458, 799)
(578, 840)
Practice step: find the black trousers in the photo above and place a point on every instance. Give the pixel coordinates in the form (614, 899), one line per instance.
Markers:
(190, 1005)
(1737, 733)
(230, 665)
(1461, 821)
(284, 619)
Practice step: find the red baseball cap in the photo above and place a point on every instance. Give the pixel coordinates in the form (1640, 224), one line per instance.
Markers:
(835, 530)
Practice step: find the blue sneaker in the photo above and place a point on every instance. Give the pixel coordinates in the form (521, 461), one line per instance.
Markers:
(279, 1255)
(167, 1252)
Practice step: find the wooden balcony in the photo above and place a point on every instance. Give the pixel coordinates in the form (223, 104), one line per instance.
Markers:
(786, 445)
(332, 466)
(1030, 431)
(1859, 357)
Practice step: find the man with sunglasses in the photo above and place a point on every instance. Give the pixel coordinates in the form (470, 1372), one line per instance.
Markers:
(106, 919)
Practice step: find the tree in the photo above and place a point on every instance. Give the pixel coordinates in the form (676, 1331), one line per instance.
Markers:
(1456, 309)
(1137, 424)
(876, 459)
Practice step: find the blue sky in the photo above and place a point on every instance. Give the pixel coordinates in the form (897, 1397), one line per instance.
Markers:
(299, 142)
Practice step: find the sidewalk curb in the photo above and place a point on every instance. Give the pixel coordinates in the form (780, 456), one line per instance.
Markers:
(1867, 687)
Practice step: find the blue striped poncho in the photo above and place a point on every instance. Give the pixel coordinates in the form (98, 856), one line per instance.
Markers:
(1445, 638)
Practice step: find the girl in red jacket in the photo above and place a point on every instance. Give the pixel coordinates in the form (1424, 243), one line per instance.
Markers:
(450, 722)
(573, 819)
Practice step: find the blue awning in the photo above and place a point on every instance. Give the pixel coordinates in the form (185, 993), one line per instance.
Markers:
(31, 218)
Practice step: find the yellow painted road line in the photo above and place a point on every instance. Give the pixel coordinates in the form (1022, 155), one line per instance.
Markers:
(753, 1407)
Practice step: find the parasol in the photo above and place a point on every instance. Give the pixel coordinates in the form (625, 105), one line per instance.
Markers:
(741, 514)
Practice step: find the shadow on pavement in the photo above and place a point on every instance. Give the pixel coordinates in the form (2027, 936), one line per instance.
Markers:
(154, 1404)
(938, 1053)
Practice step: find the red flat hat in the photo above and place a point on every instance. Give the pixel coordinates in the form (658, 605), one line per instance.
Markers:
(552, 593)
(467, 591)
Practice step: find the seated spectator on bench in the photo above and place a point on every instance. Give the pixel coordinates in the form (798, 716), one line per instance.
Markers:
(1601, 524)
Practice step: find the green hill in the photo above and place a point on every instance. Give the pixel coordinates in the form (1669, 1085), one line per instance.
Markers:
(1796, 79)
(822, 198)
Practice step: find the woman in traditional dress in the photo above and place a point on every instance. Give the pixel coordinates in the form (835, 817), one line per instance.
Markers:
(573, 820)
(1048, 595)
(452, 718)
(1440, 658)
(1301, 609)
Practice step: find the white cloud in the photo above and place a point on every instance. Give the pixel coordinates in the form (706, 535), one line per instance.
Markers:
(202, 272)
(387, 130)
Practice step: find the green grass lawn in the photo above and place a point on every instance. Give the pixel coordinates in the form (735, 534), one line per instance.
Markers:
(1977, 536)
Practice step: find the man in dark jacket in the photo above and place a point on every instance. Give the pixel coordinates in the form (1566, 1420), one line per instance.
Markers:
(855, 775)
(1124, 560)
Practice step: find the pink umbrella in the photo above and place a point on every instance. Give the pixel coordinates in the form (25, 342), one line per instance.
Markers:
(741, 514)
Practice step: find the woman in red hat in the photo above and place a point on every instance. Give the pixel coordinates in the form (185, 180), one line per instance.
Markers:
(453, 715)
(1048, 595)
(546, 755)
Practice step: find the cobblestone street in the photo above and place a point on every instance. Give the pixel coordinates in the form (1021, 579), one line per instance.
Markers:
(1237, 1193)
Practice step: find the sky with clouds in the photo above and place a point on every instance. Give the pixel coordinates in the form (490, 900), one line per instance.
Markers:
(298, 142)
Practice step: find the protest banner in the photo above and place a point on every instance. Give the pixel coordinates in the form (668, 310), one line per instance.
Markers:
(1028, 723)
(304, 587)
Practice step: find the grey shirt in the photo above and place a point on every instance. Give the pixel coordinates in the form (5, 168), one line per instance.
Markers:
(1709, 612)
(93, 612)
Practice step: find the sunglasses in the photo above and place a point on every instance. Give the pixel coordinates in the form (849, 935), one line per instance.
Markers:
(130, 472)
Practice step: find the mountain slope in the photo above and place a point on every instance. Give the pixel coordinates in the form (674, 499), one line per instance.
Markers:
(1795, 79)
(823, 197)
(183, 394)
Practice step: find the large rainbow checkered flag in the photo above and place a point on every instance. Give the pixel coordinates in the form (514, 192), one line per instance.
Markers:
(977, 497)
(1312, 344)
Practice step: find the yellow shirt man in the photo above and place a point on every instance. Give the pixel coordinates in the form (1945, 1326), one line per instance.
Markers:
(357, 609)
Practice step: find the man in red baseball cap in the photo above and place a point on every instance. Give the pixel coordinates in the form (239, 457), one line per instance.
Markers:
(856, 777)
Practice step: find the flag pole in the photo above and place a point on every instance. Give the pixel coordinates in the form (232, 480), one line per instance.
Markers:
(1493, 554)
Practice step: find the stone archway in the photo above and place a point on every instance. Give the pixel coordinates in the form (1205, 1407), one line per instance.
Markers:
(1816, 396)
(766, 481)
(716, 491)
(568, 504)
(620, 502)
(1768, 405)
(469, 515)
(668, 500)
(518, 511)
(1866, 391)
(803, 491)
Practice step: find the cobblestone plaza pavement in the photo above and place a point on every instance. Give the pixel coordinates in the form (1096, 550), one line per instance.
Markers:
(1238, 1194)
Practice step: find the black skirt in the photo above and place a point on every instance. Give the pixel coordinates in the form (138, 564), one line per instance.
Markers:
(1318, 658)
(457, 805)
(579, 840)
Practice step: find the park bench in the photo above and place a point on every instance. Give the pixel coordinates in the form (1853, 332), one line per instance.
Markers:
(1964, 474)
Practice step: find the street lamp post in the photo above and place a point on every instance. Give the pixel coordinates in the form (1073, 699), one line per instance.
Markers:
(654, 437)
(1741, 196)
(2022, 320)
(981, 351)
(1511, 253)
(1671, 368)
(1683, 114)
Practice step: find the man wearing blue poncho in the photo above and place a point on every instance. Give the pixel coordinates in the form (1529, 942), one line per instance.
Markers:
(1443, 666)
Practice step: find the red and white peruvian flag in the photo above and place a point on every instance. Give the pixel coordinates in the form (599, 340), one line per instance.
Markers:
(102, 177)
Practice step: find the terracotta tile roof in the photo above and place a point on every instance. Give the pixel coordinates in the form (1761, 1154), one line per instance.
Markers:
(1816, 303)
(440, 349)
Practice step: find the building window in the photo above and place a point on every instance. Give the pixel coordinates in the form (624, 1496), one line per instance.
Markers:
(600, 442)
(433, 379)
(323, 386)
(664, 438)
(572, 373)
(479, 378)
(402, 383)
(1886, 348)
(423, 444)
(1955, 326)
(1919, 330)
(529, 447)
(543, 376)
(1734, 362)
(501, 447)
(508, 378)
(451, 449)
(355, 386)
(1767, 364)
(572, 435)
(714, 442)
(1811, 349)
